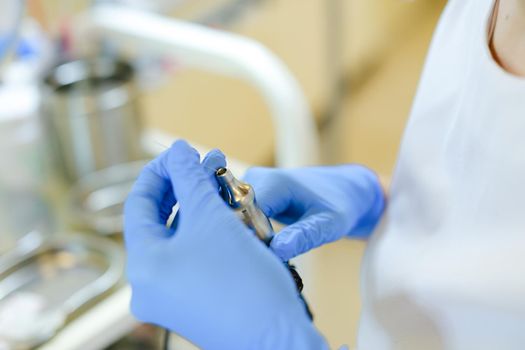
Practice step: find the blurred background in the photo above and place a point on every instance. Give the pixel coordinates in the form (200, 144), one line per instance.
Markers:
(82, 108)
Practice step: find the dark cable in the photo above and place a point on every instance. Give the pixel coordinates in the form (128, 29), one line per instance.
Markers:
(166, 339)
(299, 285)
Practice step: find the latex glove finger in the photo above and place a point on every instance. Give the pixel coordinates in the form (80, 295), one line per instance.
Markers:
(272, 194)
(191, 183)
(306, 234)
(168, 200)
(214, 160)
(143, 221)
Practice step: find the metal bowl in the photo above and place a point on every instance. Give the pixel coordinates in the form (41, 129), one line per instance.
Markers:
(96, 201)
(42, 289)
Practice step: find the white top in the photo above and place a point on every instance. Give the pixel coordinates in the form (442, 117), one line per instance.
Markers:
(446, 267)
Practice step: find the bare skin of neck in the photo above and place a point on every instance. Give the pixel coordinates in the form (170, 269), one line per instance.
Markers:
(508, 39)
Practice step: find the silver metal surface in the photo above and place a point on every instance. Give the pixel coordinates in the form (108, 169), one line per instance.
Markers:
(92, 116)
(96, 201)
(22, 247)
(22, 212)
(240, 196)
(42, 290)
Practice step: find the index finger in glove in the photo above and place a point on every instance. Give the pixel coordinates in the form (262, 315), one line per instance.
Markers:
(143, 214)
(272, 194)
(306, 234)
(191, 183)
(214, 160)
(176, 173)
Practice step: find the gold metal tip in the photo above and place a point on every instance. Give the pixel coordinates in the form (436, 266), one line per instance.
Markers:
(241, 198)
(221, 171)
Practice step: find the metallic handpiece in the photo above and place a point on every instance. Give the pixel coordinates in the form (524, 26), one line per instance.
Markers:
(241, 198)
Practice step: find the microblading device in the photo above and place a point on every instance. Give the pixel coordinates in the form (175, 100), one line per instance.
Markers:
(240, 196)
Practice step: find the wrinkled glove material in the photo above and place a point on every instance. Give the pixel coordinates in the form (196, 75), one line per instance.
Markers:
(320, 204)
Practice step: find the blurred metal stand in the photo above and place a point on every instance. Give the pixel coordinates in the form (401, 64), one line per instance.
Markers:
(224, 53)
(92, 115)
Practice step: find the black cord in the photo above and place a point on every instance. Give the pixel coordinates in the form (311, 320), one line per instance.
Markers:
(166, 339)
(299, 285)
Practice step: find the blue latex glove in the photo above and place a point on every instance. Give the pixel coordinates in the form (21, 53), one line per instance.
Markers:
(320, 204)
(208, 279)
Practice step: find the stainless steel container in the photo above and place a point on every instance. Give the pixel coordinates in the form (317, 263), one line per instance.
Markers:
(92, 115)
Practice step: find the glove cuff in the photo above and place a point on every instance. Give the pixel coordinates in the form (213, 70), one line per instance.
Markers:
(366, 224)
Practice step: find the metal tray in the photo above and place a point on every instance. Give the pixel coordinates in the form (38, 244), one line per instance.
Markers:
(97, 200)
(22, 212)
(43, 289)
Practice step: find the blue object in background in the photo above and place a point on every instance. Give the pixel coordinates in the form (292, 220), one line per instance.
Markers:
(24, 48)
(4, 45)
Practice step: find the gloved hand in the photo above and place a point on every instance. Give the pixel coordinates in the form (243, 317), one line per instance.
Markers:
(209, 278)
(320, 204)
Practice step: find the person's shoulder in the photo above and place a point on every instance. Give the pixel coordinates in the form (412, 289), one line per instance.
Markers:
(456, 8)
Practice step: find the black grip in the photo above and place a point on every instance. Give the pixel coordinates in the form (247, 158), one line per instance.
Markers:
(299, 285)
